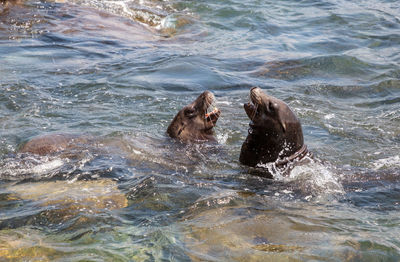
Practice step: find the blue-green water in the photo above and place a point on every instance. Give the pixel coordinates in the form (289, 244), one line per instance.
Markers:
(120, 70)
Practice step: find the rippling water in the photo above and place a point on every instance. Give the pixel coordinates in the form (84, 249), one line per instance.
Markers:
(120, 70)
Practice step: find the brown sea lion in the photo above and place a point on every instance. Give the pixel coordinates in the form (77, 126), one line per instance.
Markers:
(52, 143)
(275, 134)
(195, 121)
(192, 123)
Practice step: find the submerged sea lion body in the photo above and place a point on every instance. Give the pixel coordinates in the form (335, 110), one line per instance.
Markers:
(52, 143)
(192, 123)
(275, 134)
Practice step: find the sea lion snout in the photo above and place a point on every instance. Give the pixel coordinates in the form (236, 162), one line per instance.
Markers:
(256, 95)
(209, 97)
(255, 100)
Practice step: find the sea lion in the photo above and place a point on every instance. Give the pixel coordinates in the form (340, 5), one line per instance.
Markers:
(275, 134)
(52, 143)
(195, 122)
(192, 123)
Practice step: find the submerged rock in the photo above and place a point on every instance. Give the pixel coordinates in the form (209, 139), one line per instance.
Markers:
(60, 201)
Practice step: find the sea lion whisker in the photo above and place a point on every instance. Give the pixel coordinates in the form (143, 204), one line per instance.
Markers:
(181, 129)
(209, 119)
(213, 112)
(254, 112)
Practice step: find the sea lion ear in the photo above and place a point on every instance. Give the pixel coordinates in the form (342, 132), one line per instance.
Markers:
(281, 116)
(283, 126)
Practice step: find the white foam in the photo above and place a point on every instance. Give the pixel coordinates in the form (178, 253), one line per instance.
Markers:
(393, 161)
(329, 116)
(313, 177)
(167, 22)
(318, 177)
(228, 103)
(222, 138)
(137, 152)
(47, 167)
(20, 166)
(149, 13)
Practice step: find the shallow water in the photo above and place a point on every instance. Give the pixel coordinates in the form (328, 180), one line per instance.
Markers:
(120, 70)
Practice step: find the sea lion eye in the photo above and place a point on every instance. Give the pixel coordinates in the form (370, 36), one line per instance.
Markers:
(271, 107)
(190, 112)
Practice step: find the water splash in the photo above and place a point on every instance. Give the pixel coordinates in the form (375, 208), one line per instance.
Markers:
(310, 177)
(29, 166)
(393, 161)
(159, 15)
(320, 178)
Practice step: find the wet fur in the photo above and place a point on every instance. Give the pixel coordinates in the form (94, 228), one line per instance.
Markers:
(274, 133)
(191, 123)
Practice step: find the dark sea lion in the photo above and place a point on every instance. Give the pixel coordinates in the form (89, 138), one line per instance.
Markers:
(275, 134)
(195, 121)
(192, 123)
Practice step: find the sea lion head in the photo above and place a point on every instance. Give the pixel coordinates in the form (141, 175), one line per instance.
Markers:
(275, 132)
(195, 121)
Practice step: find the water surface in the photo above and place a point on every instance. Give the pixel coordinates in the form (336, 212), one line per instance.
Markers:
(120, 70)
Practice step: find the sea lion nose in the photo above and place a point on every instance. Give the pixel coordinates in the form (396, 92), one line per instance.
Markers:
(207, 93)
(255, 89)
(209, 96)
(255, 95)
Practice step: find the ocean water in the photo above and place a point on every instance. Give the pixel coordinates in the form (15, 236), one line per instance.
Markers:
(120, 70)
